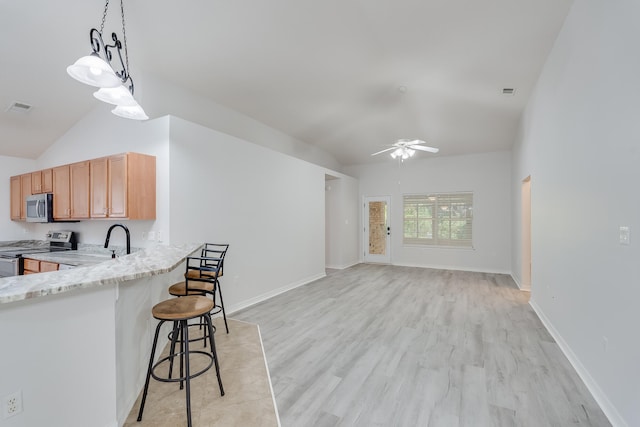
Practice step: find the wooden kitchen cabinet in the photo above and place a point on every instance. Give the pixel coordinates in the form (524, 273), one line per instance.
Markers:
(32, 266)
(20, 189)
(71, 191)
(79, 190)
(61, 192)
(119, 186)
(99, 175)
(48, 266)
(123, 186)
(25, 184)
(41, 181)
(16, 198)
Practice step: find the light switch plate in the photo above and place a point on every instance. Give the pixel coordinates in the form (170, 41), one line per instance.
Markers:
(625, 235)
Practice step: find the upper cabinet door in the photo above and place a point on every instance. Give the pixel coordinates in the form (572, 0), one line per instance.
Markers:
(99, 184)
(41, 182)
(36, 182)
(47, 181)
(61, 192)
(16, 198)
(118, 186)
(79, 173)
(25, 181)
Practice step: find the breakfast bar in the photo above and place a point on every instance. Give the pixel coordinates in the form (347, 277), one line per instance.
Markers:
(85, 335)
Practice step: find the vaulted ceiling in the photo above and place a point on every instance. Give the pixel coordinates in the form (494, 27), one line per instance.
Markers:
(348, 76)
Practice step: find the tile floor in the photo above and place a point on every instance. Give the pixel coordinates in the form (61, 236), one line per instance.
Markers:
(248, 400)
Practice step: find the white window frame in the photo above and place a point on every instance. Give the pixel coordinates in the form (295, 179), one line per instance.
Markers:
(440, 235)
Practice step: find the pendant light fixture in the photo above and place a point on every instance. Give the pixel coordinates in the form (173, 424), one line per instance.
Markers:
(96, 69)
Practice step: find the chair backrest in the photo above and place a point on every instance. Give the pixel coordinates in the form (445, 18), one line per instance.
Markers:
(204, 269)
(215, 250)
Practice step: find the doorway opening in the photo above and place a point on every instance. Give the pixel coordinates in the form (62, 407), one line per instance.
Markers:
(377, 232)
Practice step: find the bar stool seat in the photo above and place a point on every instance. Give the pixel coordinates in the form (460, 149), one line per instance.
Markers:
(195, 287)
(180, 311)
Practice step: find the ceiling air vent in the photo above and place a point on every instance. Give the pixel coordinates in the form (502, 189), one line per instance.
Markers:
(19, 107)
(508, 91)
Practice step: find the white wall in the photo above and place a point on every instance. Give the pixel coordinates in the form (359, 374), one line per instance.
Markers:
(486, 175)
(268, 206)
(579, 142)
(10, 166)
(342, 223)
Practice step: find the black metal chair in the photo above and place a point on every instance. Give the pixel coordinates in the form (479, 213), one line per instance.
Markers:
(180, 311)
(202, 276)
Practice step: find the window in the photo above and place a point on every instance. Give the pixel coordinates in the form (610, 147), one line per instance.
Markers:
(438, 219)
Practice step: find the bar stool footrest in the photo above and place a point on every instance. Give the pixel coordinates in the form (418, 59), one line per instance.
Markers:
(180, 354)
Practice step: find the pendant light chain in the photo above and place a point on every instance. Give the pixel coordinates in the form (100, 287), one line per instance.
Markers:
(104, 16)
(124, 35)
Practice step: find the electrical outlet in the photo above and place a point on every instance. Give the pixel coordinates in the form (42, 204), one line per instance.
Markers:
(152, 235)
(12, 404)
(159, 235)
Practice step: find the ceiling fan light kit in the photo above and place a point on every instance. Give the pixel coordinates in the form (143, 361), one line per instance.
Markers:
(116, 87)
(406, 148)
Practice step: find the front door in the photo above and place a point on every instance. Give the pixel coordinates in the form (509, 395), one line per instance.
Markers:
(377, 233)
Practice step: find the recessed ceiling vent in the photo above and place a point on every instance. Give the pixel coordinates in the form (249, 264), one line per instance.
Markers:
(19, 107)
(509, 91)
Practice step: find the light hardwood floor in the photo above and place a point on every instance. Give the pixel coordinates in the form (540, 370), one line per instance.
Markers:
(376, 345)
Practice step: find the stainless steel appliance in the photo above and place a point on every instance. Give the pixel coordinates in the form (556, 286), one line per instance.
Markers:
(40, 208)
(11, 261)
(9, 267)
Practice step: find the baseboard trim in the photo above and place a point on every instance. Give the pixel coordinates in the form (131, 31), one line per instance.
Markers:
(601, 398)
(453, 268)
(263, 297)
(342, 266)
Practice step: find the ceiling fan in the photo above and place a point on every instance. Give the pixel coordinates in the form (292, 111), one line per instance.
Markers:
(405, 148)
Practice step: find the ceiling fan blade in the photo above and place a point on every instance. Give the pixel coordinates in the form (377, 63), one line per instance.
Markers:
(416, 141)
(385, 150)
(421, 148)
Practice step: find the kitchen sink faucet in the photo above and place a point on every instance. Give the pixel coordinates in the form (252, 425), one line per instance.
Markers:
(126, 230)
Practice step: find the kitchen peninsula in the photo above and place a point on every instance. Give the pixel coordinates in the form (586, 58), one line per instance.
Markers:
(76, 342)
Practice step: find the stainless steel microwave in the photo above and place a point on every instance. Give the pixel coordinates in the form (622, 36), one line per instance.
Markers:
(40, 208)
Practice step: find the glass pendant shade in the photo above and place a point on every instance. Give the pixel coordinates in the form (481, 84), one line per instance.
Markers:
(134, 112)
(403, 152)
(94, 71)
(116, 95)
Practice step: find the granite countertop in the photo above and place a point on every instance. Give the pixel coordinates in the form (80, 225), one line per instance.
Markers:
(89, 273)
(85, 255)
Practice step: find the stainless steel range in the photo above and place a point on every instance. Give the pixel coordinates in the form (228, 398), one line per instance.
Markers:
(11, 257)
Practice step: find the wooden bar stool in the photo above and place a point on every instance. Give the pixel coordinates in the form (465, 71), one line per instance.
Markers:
(202, 274)
(180, 311)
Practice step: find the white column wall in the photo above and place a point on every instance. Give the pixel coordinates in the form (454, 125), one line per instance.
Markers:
(268, 206)
(342, 222)
(579, 142)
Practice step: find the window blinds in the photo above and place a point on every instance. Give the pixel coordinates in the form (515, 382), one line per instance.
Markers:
(444, 219)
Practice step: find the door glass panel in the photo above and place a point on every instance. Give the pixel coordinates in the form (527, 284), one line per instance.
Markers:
(377, 228)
